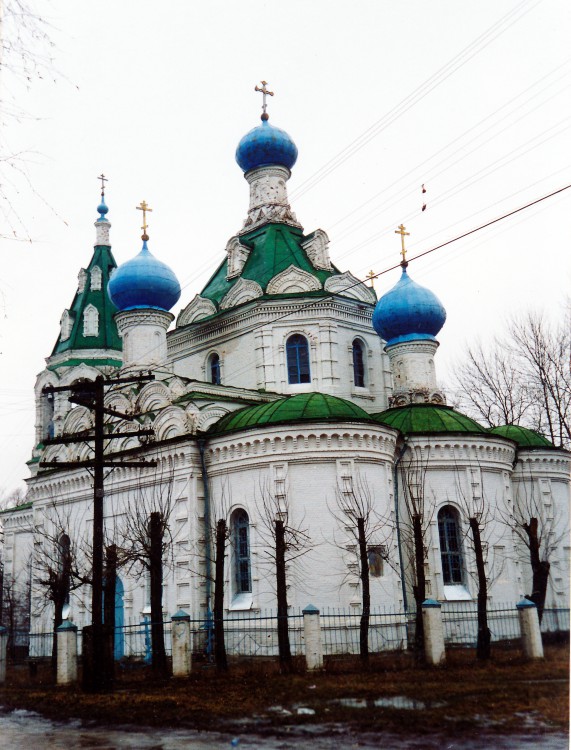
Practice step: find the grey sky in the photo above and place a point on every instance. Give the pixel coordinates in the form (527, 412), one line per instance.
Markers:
(471, 99)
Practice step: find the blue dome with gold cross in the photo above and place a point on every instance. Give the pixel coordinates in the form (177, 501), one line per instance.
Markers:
(408, 312)
(266, 146)
(144, 282)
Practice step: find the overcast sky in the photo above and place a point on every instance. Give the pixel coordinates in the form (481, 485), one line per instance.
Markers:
(470, 99)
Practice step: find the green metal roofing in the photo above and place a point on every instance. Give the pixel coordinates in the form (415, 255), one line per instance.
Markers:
(428, 418)
(107, 337)
(523, 436)
(274, 247)
(301, 407)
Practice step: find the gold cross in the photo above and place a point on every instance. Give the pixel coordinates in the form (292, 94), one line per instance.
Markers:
(403, 234)
(103, 181)
(371, 276)
(144, 208)
(265, 93)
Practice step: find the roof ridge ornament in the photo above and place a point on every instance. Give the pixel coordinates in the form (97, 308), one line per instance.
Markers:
(144, 208)
(264, 91)
(403, 234)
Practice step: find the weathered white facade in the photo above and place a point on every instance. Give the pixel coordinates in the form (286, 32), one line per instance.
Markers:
(277, 323)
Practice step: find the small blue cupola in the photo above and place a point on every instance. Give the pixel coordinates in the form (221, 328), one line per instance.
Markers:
(144, 281)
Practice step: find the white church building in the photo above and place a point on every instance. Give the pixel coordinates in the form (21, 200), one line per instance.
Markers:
(284, 384)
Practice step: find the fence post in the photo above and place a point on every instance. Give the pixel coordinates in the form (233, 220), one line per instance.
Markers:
(434, 650)
(66, 636)
(181, 644)
(530, 630)
(3, 647)
(312, 637)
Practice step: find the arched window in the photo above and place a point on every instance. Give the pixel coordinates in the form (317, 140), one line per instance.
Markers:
(48, 415)
(450, 546)
(241, 539)
(297, 353)
(358, 364)
(214, 369)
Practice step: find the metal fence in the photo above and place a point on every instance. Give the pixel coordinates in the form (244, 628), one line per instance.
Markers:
(340, 631)
(460, 620)
(255, 634)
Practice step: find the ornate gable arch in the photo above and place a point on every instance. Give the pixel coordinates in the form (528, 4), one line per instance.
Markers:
(170, 423)
(78, 419)
(197, 308)
(293, 280)
(244, 290)
(347, 285)
(80, 372)
(153, 396)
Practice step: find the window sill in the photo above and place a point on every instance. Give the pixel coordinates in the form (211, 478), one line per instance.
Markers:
(457, 593)
(241, 602)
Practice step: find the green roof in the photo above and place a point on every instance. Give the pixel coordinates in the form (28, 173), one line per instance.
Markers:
(428, 418)
(274, 247)
(311, 407)
(107, 337)
(523, 436)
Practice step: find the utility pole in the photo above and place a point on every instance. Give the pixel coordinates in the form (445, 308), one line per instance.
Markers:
(98, 667)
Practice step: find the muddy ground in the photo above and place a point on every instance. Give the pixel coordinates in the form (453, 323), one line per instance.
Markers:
(505, 695)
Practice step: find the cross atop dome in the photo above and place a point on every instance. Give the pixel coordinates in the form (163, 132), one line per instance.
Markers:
(144, 207)
(403, 234)
(264, 91)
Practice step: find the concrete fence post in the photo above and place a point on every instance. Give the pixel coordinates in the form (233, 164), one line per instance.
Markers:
(531, 640)
(3, 647)
(312, 638)
(66, 636)
(181, 644)
(434, 650)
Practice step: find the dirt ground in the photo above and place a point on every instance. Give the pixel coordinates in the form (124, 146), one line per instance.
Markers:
(507, 694)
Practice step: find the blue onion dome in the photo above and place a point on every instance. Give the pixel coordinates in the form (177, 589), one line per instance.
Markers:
(102, 209)
(266, 146)
(408, 312)
(144, 282)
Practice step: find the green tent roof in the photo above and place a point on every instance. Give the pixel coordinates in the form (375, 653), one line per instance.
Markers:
(302, 407)
(107, 337)
(274, 247)
(428, 418)
(524, 437)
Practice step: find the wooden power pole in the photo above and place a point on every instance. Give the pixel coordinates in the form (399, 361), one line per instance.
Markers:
(98, 656)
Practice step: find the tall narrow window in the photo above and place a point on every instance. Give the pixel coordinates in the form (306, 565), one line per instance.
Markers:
(241, 539)
(214, 369)
(297, 353)
(450, 546)
(358, 364)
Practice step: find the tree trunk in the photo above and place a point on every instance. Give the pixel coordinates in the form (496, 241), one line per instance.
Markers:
(60, 585)
(219, 644)
(419, 590)
(365, 590)
(110, 587)
(540, 568)
(159, 659)
(281, 592)
(483, 648)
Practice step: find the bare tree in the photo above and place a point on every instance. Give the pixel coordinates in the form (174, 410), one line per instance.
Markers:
(288, 540)
(62, 561)
(540, 529)
(414, 532)
(355, 513)
(523, 377)
(146, 544)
